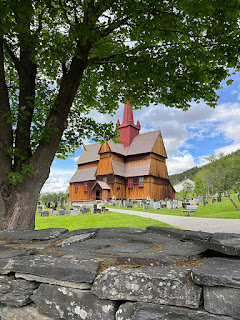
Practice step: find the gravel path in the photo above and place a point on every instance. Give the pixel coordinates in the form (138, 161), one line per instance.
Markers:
(190, 223)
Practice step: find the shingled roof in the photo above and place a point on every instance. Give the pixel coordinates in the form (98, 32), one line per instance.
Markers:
(90, 154)
(83, 175)
(124, 170)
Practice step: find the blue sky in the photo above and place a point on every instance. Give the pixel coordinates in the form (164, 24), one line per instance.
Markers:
(188, 136)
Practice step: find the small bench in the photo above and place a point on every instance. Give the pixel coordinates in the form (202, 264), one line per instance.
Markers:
(190, 209)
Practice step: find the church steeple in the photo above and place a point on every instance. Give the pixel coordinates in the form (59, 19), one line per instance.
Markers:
(128, 130)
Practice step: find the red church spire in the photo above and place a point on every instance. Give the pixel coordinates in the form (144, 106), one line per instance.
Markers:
(128, 130)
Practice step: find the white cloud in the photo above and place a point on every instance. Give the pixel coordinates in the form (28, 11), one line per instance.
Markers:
(180, 163)
(58, 180)
(228, 149)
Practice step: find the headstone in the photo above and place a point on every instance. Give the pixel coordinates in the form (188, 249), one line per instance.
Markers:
(45, 214)
(169, 204)
(61, 212)
(219, 199)
(40, 209)
(205, 203)
(70, 203)
(62, 205)
(157, 205)
(128, 205)
(135, 205)
(146, 207)
(120, 205)
(151, 203)
(213, 200)
(200, 199)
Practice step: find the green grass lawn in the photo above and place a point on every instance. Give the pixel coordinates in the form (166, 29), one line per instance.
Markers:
(103, 220)
(222, 210)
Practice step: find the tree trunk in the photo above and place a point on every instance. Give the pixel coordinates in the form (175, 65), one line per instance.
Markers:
(238, 196)
(235, 205)
(18, 204)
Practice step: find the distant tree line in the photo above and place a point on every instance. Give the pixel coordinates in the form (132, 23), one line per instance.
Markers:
(52, 196)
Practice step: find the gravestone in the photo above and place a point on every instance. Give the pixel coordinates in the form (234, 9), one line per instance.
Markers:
(61, 212)
(213, 200)
(151, 203)
(219, 199)
(146, 207)
(157, 205)
(40, 209)
(120, 205)
(135, 205)
(62, 205)
(200, 199)
(45, 214)
(129, 205)
(70, 203)
(205, 203)
(169, 204)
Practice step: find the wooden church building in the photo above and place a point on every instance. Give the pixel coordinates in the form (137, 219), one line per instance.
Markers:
(132, 169)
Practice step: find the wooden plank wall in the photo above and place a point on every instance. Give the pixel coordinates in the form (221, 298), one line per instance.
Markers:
(159, 147)
(81, 194)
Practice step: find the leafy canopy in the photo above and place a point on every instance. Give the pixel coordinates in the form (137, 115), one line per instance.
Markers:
(169, 52)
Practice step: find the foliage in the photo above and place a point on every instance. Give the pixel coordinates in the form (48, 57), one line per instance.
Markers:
(113, 43)
(222, 174)
(193, 172)
(188, 186)
(200, 186)
(52, 196)
(190, 174)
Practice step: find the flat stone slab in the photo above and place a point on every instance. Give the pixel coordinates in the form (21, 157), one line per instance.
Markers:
(13, 253)
(70, 269)
(76, 238)
(16, 292)
(181, 234)
(151, 311)
(31, 235)
(23, 313)
(164, 285)
(89, 245)
(69, 304)
(227, 243)
(222, 300)
(128, 248)
(75, 285)
(217, 272)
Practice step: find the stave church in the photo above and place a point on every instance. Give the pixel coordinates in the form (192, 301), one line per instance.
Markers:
(133, 169)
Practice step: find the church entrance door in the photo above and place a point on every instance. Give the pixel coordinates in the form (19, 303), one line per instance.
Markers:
(97, 194)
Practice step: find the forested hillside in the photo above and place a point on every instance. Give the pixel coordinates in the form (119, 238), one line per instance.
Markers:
(191, 173)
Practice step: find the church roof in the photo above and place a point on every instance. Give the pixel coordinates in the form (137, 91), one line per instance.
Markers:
(123, 170)
(90, 154)
(83, 175)
(103, 185)
(142, 143)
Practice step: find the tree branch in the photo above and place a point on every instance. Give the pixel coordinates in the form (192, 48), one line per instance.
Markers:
(15, 60)
(114, 25)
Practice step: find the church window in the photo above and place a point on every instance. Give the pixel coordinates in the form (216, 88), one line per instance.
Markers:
(85, 186)
(130, 183)
(76, 187)
(140, 182)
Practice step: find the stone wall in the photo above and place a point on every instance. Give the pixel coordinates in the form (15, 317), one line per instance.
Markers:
(119, 273)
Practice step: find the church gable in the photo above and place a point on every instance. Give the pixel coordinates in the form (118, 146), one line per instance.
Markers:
(159, 147)
(104, 147)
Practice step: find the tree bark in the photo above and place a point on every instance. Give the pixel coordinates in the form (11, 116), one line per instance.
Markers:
(231, 200)
(18, 207)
